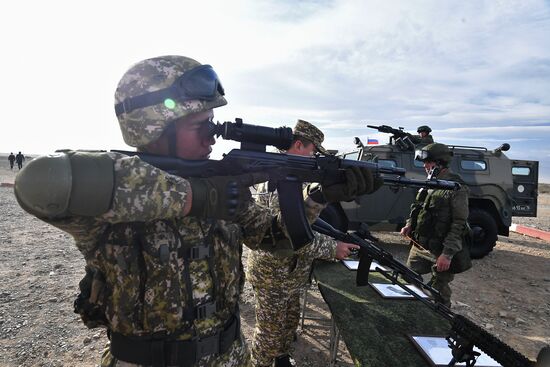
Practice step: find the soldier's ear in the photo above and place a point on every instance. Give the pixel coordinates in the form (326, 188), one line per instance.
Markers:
(298, 144)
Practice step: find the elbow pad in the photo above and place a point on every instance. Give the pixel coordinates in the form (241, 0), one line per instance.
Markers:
(65, 184)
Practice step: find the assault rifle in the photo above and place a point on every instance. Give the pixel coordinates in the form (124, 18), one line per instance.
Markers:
(286, 171)
(399, 137)
(398, 133)
(464, 333)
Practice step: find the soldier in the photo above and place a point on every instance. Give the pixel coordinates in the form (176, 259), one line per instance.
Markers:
(11, 158)
(437, 224)
(423, 138)
(19, 158)
(162, 252)
(277, 278)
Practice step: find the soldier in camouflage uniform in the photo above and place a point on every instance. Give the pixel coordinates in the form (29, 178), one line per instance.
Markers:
(162, 252)
(423, 138)
(437, 223)
(277, 278)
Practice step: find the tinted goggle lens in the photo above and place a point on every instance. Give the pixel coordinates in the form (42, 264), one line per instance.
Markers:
(199, 83)
(421, 155)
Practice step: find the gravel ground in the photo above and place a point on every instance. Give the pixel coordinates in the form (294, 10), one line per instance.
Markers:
(507, 292)
(542, 220)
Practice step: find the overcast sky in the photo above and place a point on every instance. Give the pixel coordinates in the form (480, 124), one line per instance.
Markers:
(477, 72)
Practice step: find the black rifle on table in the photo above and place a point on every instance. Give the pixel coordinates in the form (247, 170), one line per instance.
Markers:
(464, 333)
(286, 171)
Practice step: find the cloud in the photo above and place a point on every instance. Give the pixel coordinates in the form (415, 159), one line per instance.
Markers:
(339, 63)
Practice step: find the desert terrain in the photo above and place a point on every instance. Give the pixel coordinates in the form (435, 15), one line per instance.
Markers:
(507, 292)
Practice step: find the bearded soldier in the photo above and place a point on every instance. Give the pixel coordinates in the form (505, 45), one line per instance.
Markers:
(437, 224)
(162, 252)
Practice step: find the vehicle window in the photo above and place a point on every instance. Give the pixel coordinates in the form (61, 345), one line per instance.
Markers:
(387, 163)
(418, 163)
(471, 165)
(352, 156)
(521, 171)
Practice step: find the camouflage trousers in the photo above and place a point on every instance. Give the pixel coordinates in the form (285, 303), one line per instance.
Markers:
(277, 318)
(236, 356)
(423, 262)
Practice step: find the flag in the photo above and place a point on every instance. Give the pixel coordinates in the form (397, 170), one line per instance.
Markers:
(372, 141)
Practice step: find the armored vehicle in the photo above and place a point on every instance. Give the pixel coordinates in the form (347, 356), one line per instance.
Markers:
(500, 188)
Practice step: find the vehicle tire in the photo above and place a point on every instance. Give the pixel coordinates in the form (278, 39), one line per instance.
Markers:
(334, 215)
(485, 232)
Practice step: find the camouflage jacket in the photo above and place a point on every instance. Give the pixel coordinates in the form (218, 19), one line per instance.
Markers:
(282, 268)
(150, 270)
(438, 217)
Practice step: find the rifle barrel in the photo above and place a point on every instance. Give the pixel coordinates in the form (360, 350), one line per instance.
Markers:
(430, 184)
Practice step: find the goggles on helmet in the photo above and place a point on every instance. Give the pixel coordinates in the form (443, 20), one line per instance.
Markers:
(421, 155)
(200, 83)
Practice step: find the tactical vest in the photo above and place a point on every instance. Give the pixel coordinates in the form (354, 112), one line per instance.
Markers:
(432, 221)
(173, 280)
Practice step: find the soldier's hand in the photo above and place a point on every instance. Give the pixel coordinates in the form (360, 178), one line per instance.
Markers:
(343, 249)
(359, 181)
(406, 231)
(443, 263)
(222, 197)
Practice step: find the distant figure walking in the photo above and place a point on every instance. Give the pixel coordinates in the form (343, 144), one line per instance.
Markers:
(11, 158)
(19, 158)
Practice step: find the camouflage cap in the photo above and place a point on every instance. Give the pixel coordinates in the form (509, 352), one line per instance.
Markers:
(308, 131)
(145, 125)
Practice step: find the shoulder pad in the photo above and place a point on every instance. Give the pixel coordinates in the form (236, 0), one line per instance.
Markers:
(43, 186)
(66, 183)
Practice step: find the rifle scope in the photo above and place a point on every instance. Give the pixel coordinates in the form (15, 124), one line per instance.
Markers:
(280, 137)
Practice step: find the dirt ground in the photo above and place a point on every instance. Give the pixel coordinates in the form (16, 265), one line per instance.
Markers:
(507, 292)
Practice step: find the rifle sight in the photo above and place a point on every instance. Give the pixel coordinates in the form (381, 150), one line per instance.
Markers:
(280, 137)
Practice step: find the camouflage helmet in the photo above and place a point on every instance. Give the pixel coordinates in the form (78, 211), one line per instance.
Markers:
(424, 128)
(154, 92)
(435, 152)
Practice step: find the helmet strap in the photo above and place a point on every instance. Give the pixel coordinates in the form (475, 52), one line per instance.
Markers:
(172, 141)
(434, 171)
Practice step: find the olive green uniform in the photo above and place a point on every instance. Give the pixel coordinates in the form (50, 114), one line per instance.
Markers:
(277, 279)
(154, 277)
(439, 220)
(421, 141)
